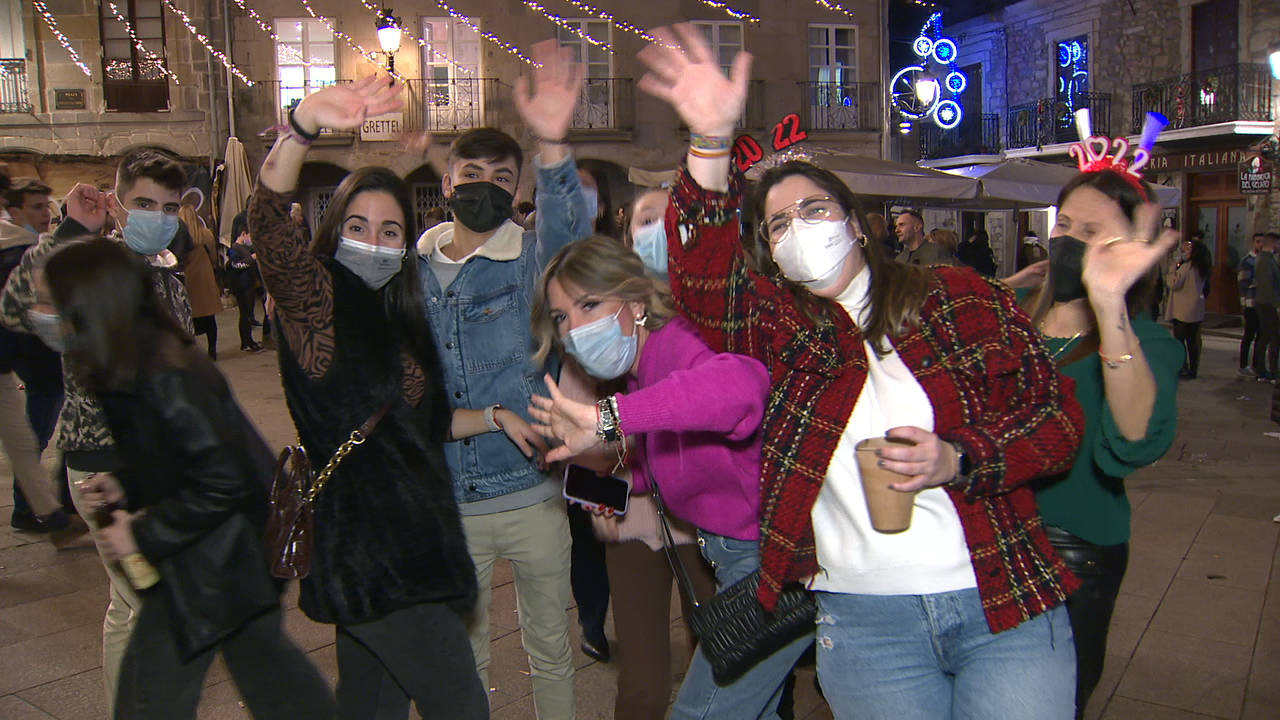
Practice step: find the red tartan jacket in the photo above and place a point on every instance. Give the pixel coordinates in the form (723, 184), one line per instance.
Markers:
(994, 388)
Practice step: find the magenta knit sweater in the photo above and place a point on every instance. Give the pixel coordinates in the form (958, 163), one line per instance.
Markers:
(696, 415)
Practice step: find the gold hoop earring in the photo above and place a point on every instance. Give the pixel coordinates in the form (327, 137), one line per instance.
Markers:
(862, 241)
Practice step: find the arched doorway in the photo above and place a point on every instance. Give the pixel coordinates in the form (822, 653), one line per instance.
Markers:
(424, 188)
(316, 184)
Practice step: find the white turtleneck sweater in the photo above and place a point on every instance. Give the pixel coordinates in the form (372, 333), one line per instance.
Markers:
(932, 555)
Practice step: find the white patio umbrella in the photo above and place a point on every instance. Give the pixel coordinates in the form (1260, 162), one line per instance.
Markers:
(1019, 183)
(237, 185)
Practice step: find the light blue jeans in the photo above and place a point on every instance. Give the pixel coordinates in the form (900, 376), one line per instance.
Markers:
(931, 657)
(755, 694)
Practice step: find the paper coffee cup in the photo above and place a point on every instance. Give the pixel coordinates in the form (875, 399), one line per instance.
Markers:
(890, 509)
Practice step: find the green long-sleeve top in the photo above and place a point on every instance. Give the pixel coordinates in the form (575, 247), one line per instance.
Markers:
(1089, 501)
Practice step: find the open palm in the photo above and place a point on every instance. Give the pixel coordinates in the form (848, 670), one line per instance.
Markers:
(683, 72)
(1113, 266)
(548, 103)
(568, 421)
(347, 106)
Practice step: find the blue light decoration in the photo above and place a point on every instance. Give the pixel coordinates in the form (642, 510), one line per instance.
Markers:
(1073, 72)
(932, 48)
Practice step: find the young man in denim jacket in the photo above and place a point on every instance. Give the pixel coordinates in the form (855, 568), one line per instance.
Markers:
(479, 274)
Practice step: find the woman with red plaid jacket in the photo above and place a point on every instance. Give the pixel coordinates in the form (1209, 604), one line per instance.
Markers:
(960, 615)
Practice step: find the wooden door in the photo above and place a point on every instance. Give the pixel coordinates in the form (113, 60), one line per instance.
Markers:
(1215, 32)
(1218, 210)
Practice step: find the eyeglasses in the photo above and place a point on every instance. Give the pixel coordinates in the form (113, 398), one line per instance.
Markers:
(810, 209)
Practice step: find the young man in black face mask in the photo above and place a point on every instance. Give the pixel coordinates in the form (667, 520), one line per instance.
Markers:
(479, 273)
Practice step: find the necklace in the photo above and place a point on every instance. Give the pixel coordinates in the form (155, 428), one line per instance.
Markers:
(1065, 345)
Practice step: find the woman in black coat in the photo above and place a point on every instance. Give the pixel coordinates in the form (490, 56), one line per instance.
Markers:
(190, 503)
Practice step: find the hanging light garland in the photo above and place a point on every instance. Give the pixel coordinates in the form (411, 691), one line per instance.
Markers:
(533, 5)
(62, 39)
(423, 43)
(156, 60)
(737, 14)
(597, 12)
(487, 36)
(204, 40)
(349, 40)
(835, 6)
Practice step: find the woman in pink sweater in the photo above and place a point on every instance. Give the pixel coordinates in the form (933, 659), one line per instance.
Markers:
(693, 414)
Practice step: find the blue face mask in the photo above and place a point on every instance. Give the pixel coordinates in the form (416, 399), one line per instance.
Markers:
(650, 243)
(30, 228)
(374, 264)
(148, 232)
(593, 202)
(601, 348)
(48, 327)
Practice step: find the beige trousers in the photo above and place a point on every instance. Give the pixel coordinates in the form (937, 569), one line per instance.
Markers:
(122, 611)
(24, 454)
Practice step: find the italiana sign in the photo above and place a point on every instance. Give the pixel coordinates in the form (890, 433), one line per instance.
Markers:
(383, 127)
(1256, 176)
(1196, 161)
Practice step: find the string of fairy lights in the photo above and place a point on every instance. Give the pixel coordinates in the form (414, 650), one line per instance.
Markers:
(422, 43)
(204, 40)
(350, 41)
(157, 62)
(570, 26)
(52, 23)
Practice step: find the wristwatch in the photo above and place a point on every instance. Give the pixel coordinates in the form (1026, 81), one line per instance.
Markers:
(964, 466)
(490, 421)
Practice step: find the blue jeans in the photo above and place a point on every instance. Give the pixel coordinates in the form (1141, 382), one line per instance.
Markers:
(926, 657)
(756, 694)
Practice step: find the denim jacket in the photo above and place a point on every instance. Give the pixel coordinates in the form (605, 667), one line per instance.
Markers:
(482, 330)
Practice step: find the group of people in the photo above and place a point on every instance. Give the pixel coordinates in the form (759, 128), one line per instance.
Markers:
(725, 371)
(1259, 281)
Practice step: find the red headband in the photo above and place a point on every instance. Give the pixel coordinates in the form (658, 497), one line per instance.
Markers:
(1093, 155)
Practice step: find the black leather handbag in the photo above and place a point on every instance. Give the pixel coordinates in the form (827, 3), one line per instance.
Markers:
(733, 628)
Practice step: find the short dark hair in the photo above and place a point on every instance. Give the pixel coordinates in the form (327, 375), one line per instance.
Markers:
(1274, 235)
(239, 225)
(153, 165)
(16, 195)
(486, 143)
(919, 218)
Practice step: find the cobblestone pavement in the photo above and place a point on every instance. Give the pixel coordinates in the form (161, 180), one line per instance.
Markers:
(1196, 633)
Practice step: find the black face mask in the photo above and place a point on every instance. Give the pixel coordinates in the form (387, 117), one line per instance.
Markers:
(1066, 268)
(481, 206)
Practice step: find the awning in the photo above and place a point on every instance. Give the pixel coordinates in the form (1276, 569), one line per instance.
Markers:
(1018, 183)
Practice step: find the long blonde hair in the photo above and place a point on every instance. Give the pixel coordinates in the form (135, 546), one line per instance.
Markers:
(946, 239)
(601, 266)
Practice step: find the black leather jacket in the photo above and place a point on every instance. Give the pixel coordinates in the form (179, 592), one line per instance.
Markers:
(198, 472)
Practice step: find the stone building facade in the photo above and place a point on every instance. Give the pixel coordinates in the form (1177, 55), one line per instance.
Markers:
(1201, 63)
(59, 124)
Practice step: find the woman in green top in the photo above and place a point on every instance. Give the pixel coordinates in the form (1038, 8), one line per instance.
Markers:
(1125, 366)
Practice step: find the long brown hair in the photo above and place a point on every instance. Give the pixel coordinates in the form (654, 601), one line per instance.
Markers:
(601, 266)
(1039, 301)
(402, 296)
(897, 290)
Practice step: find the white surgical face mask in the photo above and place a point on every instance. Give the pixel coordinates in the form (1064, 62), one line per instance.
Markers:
(650, 243)
(147, 232)
(374, 264)
(48, 327)
(812, 253)
(601, 348)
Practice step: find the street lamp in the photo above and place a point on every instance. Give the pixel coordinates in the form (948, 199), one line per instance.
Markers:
(389, 35)
(1275, 60)
(926, 90)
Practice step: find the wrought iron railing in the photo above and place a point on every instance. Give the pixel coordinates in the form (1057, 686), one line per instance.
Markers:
(606, 104)
(455, 105)
(840, 106)
(979, 136)
(13, 86)
(1235, 92)
(1052, 120)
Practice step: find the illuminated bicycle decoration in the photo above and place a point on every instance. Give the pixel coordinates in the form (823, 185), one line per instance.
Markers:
(920, 92)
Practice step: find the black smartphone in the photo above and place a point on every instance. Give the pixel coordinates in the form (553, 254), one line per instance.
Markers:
(584, 486)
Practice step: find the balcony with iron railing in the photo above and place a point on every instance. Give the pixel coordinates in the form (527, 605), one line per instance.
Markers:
(977, 136)
(13, 86)
(1052, 121)
(606, 104)
(452, 106)
(1227, 94)
(844, 106)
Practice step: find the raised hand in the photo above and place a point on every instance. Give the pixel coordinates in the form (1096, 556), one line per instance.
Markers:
(548, 103)
(87, 205)
(1112, 266)
(347, 106)
(683, 72)
(569, 421)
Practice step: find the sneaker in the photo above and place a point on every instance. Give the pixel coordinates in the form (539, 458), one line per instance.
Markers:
(251, 348)
(53, 522)
(1246, 372)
